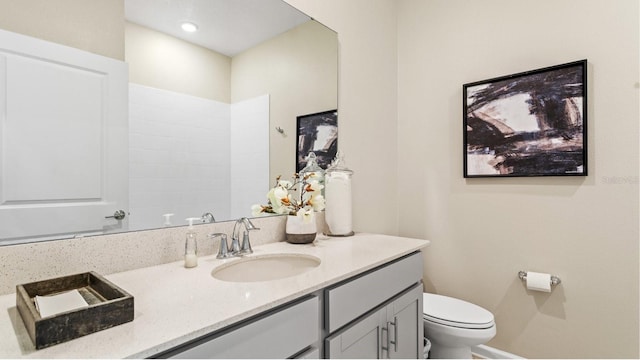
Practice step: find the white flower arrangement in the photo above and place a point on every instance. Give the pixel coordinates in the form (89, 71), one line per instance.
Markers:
(281, 201)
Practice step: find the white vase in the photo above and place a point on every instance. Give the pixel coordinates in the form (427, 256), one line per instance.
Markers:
(300, 232)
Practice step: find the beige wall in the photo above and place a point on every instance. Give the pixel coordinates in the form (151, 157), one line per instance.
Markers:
(483, 231)
(165, 62)
(95, 26)
(367, 103)
(583, 229)
(299, 71)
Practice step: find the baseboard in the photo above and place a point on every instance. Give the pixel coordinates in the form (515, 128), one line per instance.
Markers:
(487, 352)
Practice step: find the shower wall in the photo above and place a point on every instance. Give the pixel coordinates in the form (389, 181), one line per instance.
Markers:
(181, 151)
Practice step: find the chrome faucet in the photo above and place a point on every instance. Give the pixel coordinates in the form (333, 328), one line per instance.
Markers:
(224, 251)
(208, 218)
(235, 237)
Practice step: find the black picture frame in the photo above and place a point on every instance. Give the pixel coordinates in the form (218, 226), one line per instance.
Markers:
(532, 123)
(317, 133)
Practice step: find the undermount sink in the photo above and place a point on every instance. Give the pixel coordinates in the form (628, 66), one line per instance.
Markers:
(265, 267)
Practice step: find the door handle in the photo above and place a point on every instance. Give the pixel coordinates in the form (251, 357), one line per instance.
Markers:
(395, 333)
(118, 215)
(382, 334)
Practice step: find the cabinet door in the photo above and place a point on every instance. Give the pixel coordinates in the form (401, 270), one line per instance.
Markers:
(404, 316)
(361, 340)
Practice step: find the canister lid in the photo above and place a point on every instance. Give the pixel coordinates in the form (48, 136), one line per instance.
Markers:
(338, 165)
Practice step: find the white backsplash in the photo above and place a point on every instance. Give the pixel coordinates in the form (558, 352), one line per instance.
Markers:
(108, 254)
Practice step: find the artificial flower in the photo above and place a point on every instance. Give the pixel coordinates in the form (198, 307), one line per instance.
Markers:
(306, 201)
(306, 215)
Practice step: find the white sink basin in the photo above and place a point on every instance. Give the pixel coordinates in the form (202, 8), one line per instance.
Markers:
(265, 267)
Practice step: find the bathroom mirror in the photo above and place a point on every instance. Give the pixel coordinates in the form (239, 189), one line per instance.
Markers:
(290, 71)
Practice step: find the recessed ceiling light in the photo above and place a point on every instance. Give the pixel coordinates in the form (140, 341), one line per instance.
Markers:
(189, 27)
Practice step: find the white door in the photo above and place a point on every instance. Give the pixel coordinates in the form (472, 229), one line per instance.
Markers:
(63, 140)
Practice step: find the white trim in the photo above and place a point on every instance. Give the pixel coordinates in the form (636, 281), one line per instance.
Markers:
(487, 352)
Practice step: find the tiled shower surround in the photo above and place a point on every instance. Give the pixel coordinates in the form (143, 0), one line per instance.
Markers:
(182, 155)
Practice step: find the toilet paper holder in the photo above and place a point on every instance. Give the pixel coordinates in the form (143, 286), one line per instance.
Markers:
(554, 279)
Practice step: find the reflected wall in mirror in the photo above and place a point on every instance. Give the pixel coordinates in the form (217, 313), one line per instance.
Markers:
(202, 122)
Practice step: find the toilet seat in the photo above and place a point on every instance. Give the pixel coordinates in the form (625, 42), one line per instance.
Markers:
(453, 312)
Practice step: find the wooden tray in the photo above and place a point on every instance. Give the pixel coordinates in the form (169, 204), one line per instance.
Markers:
(108, 306)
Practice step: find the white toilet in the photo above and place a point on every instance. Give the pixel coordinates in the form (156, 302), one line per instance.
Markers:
(453, 326)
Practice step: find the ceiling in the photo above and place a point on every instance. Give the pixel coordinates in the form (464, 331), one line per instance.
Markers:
(225, 26)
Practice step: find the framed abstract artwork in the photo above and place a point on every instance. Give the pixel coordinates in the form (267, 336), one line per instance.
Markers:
(527, 124)
(317, 133)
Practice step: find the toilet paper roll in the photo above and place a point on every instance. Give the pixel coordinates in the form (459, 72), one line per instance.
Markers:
(538, 281)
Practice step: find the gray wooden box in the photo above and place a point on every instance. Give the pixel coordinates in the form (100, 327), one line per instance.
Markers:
(109, 306)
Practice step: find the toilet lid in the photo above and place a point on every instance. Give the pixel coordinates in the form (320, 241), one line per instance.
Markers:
(455, 312)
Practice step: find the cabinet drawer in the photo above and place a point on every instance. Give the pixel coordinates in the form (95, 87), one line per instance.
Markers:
(281, 334)
(347, 301)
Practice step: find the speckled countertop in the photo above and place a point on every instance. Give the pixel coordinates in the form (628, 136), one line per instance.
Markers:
(174, 305)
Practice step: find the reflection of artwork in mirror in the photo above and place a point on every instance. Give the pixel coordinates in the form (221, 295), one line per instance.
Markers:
(317, 133)
(527, 124)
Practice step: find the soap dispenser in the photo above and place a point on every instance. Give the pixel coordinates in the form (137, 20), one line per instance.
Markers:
(190, 246)
(167, 219)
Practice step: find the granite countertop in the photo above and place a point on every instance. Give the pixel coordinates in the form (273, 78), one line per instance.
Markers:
(174, 305)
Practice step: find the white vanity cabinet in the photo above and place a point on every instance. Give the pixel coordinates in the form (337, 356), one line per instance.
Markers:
(290, 331)
(377, 315)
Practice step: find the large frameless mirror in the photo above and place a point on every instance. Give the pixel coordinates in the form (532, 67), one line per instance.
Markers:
(211, 114)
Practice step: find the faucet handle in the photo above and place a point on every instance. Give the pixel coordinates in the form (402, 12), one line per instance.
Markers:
(246, 244)
(248, 224)
(235, 245)
(223, 250)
